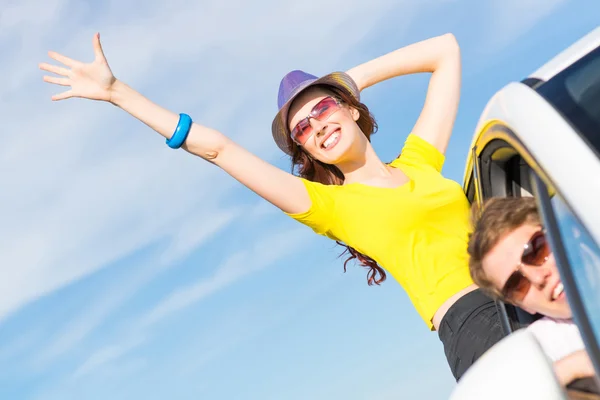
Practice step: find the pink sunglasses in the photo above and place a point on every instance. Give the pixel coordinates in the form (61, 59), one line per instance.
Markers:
(321, 112)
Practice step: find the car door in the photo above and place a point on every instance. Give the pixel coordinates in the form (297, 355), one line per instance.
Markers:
(541, 138)
(575, 94)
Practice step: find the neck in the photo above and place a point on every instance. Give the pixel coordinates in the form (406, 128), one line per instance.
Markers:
(364, 166)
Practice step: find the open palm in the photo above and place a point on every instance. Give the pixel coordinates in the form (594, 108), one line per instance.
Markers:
(90, 81)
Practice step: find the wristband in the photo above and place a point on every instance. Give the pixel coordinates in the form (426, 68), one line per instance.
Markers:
(181, 132)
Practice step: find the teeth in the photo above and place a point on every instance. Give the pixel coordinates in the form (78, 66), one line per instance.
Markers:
(330, 139)
(557, 291)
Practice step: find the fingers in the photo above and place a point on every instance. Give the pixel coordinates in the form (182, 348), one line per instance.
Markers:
(63, 59)
(98, 52)
(57, 81)
(54, 69)
(61, 96)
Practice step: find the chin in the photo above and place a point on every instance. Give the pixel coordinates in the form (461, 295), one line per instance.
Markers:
(558, 312)
(564, 309)
(566, 314)
(334, 156)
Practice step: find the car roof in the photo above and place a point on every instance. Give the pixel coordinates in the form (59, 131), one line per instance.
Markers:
(568, 56)
(551, 68)
(553, 143)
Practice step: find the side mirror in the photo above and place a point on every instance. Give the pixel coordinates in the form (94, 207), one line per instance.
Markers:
(515, 368)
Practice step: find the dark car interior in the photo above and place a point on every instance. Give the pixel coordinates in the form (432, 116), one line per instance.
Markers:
(502, 172)
(499, 170)
(503, 169)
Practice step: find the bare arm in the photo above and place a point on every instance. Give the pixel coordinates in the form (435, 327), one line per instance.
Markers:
(574, 366)
(441, 57)
(96, 81)
(280, 188)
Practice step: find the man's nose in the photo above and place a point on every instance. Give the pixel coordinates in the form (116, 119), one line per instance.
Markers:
(537, 275)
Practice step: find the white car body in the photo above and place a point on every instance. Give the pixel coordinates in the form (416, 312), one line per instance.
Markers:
(516, 368)
(557, 148)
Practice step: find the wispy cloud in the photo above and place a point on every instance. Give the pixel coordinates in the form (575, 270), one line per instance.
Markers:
(192, 232)
(106, 355)
(89, 186)
(263, 252)
(92, 185)
(507, 20)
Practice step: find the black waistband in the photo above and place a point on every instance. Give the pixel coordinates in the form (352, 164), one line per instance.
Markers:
(463, 308)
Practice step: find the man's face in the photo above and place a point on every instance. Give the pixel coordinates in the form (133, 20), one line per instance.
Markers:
(541, 287)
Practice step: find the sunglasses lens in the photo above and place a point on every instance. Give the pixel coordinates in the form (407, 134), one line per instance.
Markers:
(324, 109)
(321, 111)
(301, 131)
(516, 287)
(536, 250)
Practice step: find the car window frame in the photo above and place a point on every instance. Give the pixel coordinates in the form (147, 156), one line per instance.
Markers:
(580, 316)
(500, 135)
(556, 92)
(495, 137)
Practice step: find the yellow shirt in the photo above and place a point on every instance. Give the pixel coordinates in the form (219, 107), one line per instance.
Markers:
(418, 232)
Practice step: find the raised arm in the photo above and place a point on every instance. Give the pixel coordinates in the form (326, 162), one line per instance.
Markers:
(95, 81)
(441, 57)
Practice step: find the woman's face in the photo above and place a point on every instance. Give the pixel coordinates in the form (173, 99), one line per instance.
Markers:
(331, 130)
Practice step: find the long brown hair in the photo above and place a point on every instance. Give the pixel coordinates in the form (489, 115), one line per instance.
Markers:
(307, 167)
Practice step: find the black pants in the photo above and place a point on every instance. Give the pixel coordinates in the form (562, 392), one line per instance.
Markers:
(469, 328)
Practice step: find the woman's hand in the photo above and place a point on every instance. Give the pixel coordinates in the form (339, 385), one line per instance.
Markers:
(92, 81)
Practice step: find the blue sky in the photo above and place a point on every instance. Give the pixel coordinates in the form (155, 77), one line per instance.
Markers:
(133, 271)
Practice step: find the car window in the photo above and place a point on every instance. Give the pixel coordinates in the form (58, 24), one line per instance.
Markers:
(501, 171)
(583, 85)
(575, 92)
(583, 255)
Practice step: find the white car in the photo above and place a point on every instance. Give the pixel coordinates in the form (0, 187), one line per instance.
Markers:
(541, 137)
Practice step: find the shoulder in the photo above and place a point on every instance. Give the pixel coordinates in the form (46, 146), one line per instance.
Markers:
(546, 323)
(555, 330)
(322, 204)
(419, 153)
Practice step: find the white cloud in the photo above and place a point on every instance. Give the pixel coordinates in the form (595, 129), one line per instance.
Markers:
(507, 20)
(106, 355)
(11, 351)
(194, 230)
(264, 252)
(89, 184)
(93, 315)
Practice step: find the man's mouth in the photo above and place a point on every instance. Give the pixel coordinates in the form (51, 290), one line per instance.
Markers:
(558, 290)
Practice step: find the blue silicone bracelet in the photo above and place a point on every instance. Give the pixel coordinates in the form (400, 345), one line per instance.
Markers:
(181, 132)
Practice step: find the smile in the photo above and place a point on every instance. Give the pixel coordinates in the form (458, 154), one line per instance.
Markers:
(557, 291)
(332, 140)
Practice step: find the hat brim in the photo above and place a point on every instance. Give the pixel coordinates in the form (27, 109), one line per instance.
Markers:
(279, 128)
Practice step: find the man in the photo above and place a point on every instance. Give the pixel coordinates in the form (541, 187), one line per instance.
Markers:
(511, 260)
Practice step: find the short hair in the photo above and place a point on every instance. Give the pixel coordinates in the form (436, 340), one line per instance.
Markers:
(499, 217)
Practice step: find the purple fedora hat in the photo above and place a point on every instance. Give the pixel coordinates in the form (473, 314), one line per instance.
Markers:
(291, 86)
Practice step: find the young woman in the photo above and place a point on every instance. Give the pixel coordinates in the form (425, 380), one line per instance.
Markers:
(404, 217)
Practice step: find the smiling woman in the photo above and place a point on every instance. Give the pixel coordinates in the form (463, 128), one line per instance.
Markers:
(403, 218)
